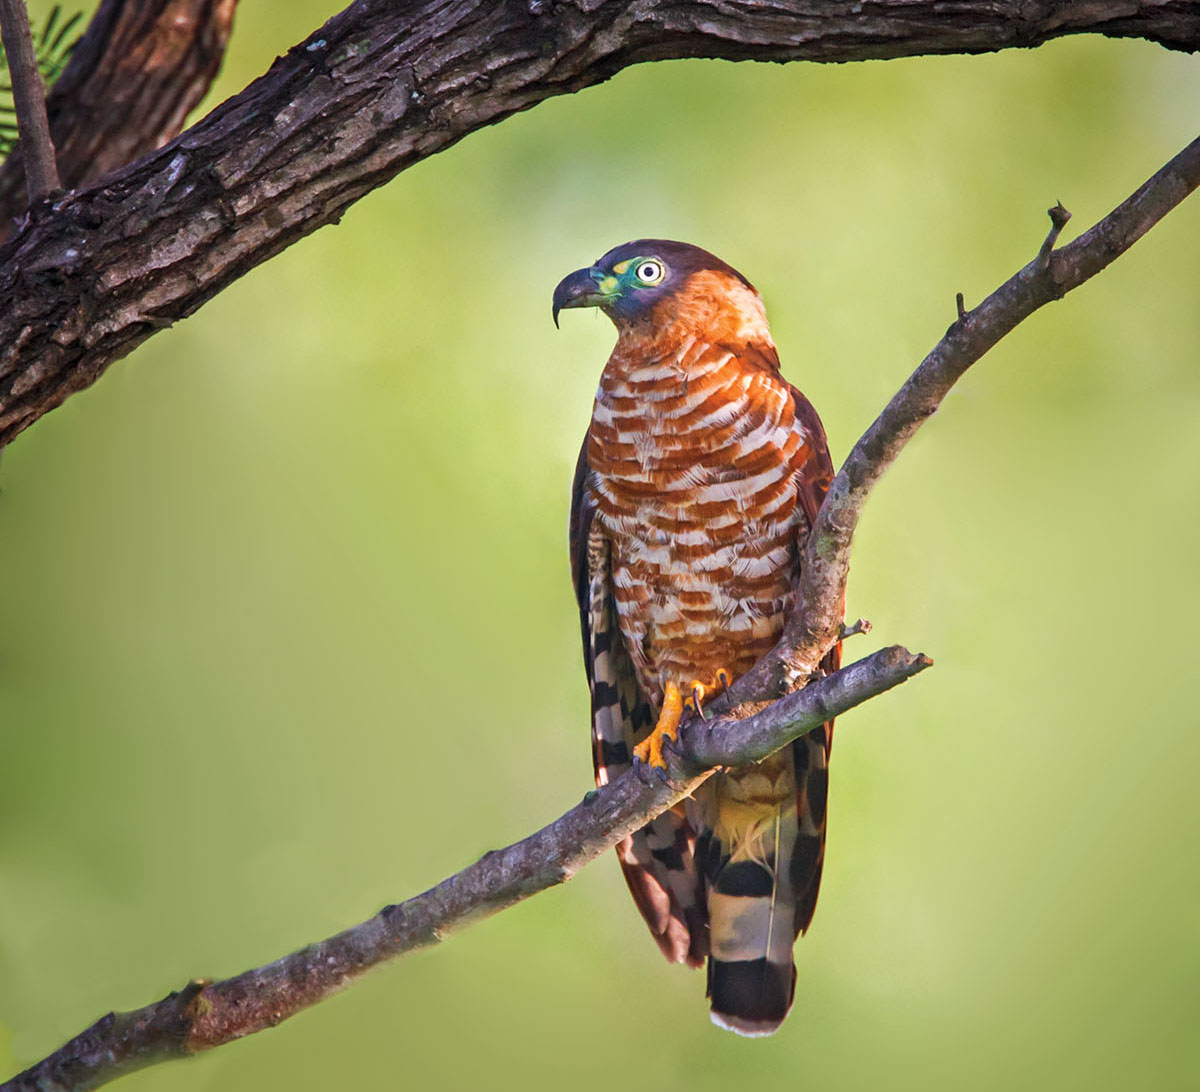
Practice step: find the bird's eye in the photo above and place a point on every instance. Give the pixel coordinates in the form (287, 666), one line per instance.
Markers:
(650, 271)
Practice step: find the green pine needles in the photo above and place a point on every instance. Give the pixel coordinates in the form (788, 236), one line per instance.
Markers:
(53, 45)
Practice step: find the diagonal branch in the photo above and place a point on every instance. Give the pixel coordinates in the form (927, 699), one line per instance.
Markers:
(29, 97)
(815, 623)
(206, 1014)
(381, 87)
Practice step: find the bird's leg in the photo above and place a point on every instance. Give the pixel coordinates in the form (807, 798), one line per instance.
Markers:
(650, 750)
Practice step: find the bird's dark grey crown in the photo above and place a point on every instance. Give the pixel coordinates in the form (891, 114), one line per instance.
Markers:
(681, 258)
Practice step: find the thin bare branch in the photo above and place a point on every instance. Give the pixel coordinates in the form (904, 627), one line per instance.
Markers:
(139, 70)
(726, 741)
(206, 1014)
(29, 98)
(815, 623)
(384, 85)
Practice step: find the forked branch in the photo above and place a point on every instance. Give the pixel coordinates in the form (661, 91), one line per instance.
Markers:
(206, 1014)
(816, 621)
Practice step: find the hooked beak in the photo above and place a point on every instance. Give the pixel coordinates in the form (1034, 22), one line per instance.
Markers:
(589, 287)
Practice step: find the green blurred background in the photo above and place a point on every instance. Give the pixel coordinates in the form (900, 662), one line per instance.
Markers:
(288, 631)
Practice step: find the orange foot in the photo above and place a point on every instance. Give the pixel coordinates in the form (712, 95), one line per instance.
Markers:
(650, 750)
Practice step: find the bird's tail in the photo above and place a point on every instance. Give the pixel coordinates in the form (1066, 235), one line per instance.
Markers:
(762, 852)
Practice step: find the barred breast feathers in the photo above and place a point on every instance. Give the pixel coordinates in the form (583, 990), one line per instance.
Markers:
(694, 449)
(691, 413)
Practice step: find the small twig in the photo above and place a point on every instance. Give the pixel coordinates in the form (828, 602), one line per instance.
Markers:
(960, 304)
(29, 97)
(1058, 220)
(861, 625)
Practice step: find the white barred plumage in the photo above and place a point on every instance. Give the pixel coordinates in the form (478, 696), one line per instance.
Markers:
(698, 480)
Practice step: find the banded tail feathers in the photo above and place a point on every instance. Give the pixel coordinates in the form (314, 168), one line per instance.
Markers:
(761, 855)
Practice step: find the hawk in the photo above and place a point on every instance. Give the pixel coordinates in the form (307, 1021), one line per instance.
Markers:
(700, 476)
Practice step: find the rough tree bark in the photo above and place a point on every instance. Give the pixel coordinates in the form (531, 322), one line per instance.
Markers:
(382, 86)
(140, 68)
(206, 1014)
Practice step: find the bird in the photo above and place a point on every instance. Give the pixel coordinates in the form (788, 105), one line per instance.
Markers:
(699, 477)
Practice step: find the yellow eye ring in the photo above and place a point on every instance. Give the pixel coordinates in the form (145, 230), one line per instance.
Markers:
(650, 271)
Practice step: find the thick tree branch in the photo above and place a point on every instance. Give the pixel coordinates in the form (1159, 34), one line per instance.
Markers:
(382, 86)
(816, 621)
(29, 98)
(140, 68)
(206, 1014)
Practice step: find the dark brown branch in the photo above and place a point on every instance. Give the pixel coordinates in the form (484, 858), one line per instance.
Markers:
(207, 1014)
(381, 87)
(29, 98)
(816, 621)
(140, 68)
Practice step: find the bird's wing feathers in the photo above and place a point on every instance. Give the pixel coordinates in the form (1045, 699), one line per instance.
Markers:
(658, 861)
(817, 471)
(811, 752)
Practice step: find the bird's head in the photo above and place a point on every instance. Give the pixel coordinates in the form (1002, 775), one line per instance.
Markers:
(654, 282)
